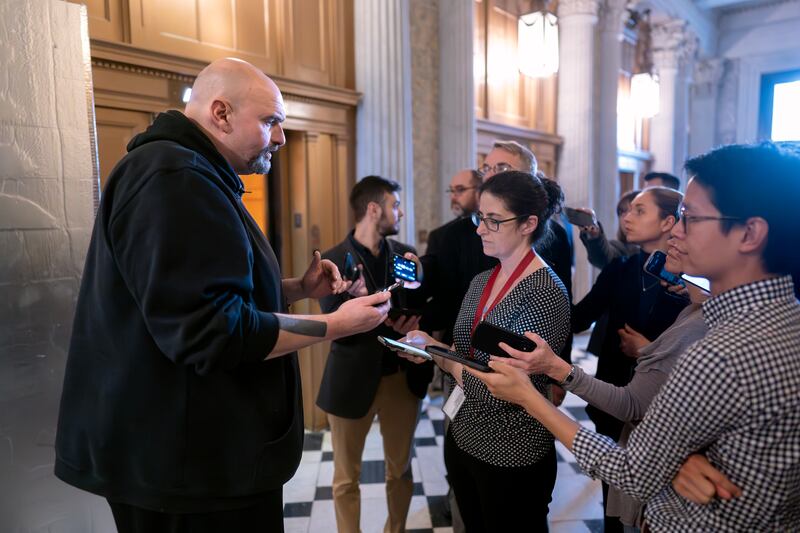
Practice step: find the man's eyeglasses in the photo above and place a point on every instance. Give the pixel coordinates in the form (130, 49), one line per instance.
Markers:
(686, 219)
(491, 223)
(494, 169)
(458, 191)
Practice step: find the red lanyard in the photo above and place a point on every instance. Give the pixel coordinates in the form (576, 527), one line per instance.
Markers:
(482, 310)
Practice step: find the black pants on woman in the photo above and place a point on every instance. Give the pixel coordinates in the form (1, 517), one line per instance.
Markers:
(495, 498)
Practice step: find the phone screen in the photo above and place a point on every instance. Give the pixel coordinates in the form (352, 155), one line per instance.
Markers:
(702, 283)
(403, 268)
(655, 266)
(403, 347)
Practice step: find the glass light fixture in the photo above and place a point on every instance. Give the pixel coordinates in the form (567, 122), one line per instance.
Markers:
(537, 44)
(645, 95)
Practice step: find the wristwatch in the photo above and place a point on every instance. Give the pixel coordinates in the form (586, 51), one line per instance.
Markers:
(570, 376)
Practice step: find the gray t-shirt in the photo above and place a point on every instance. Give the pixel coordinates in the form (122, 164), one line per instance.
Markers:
(630, 402)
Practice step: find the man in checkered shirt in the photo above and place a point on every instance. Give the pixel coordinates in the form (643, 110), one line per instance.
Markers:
(734, 396)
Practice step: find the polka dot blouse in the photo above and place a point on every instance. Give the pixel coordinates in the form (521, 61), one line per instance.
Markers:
(492, 430)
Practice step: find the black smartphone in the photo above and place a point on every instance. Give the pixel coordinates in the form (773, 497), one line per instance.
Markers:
(579, 218)
(656, 266)
(403, 268)
(404, 347)
(350, 271)
(397, 312)
(453, 356)
(487, 338)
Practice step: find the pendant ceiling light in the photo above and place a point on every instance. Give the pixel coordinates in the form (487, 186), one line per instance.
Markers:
(645, 90)
(537, 43)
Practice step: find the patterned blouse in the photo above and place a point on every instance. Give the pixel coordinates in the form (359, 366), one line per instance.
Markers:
(492, 430)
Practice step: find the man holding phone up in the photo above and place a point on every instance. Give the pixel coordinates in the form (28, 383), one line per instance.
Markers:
(363, 378)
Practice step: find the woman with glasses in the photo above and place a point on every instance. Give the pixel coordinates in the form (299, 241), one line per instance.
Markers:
(638, 307)
(501, 462)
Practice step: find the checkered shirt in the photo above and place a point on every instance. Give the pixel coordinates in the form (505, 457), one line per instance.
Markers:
(735, 396)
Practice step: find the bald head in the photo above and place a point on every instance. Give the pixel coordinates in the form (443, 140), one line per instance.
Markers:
(241, 110)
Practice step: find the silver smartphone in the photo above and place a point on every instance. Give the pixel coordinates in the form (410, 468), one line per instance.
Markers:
(404, 347)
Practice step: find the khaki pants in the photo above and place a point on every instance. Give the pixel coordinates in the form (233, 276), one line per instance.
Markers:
(397, 411)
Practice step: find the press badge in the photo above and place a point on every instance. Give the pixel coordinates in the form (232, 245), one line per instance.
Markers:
(454, 402)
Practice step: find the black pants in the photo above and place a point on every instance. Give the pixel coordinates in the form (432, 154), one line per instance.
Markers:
(496, 498)
(266, 516)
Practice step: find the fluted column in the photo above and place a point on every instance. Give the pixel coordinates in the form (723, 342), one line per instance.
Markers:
(384, 120)
(457, 143)
(674, 47)
(577, 21)
(703, 105)
(612, 22)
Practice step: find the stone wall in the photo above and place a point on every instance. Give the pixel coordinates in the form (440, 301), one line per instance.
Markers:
(47, 192)
(425, 111)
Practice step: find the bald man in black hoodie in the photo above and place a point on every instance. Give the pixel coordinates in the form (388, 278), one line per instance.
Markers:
(181, 402)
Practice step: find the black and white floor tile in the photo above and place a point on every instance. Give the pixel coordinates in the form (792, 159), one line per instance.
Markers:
(308, 501)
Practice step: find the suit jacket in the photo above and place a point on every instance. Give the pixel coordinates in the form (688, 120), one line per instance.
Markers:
(354, 367)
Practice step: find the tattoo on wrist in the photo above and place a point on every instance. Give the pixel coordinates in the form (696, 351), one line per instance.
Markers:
(300, 326)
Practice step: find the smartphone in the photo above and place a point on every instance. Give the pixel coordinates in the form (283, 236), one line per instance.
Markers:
(487, 338)
(350, 271)
(404, 347)
(656, 266)
(393, 287)
(403, 268)
(397, 312)
(579, 218)
(453, 356)
(701, 283)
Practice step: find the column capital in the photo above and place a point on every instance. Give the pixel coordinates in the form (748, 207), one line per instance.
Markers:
(613, 15)
(570, 8)
(707, 75)
(673, 44)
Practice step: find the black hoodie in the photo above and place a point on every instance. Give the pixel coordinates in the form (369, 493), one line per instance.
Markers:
(168, 403)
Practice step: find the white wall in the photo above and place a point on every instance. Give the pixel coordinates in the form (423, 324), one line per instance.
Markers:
(755, 41)
(46, 215)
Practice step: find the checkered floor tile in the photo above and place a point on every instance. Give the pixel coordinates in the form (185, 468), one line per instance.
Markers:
(308, 499)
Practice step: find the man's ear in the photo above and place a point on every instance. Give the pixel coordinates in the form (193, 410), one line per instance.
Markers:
(220, 115)
(754, 238)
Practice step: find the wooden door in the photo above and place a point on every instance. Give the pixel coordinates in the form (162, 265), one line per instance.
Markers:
(115, 129)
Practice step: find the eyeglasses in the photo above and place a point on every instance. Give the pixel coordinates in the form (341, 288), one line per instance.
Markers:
(686, 219)
(494, 169)
(491, 223)
(458, 191)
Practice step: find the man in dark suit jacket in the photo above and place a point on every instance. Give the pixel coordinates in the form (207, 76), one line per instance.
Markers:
(448, 272)
(362, 378)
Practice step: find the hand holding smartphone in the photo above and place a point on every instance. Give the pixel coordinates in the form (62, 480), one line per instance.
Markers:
(487, 338)
(579, 217)
(405, 348)
(656, 266)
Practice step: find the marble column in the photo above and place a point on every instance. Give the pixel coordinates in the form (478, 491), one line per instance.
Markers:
(384, 119)
(703, 105)
(48, 175)
(577, 20)
(457, 142)
(613, 15)
(674, 47)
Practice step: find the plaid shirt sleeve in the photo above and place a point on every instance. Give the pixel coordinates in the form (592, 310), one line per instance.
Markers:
(700, 399)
